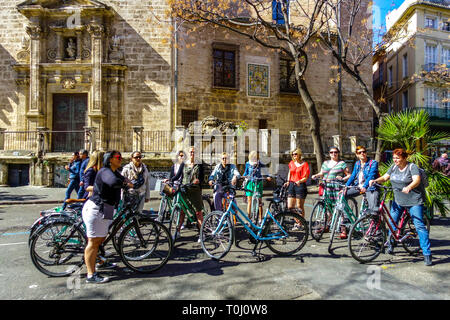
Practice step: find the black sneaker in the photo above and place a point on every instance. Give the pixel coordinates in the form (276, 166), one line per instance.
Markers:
(96, 278)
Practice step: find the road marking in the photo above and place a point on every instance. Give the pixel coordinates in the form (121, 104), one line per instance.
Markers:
(12, 244)
(15, 233)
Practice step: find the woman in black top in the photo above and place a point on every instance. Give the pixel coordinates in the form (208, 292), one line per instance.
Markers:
(98, 212)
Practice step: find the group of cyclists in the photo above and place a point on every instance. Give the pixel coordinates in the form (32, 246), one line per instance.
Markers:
(104, 176)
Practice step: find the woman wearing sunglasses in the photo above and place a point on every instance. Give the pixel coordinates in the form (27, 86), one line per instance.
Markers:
(334, 169)
(296, 181)
(99, 210)
(364, 170)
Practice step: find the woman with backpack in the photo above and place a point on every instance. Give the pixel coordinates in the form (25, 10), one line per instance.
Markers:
(364, 170)
(408, 188)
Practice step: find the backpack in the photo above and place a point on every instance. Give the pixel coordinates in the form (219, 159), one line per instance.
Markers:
(423, 177)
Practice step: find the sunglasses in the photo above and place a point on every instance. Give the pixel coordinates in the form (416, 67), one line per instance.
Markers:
(138, 157)
(295, 154)
(224, 158)
(331, 152)
(361, 152)
(118, 157)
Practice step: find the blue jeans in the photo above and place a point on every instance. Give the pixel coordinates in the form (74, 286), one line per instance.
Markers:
(416, 213)
(74, 184)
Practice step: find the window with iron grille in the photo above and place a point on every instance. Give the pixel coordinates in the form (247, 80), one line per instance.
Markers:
(224, 68)
(288, 83)
(188, 116)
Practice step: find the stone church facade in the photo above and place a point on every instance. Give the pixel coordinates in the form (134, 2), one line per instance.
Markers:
(107, 75)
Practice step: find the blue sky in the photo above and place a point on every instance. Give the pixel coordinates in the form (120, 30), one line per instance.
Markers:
(380, 10)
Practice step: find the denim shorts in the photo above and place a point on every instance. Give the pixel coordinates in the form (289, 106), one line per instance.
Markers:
(297, 191)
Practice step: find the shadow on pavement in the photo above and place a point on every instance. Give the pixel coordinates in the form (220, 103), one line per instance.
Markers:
(5, 196)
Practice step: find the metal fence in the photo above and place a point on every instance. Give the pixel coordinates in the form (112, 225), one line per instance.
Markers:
(18, 140)
(157, 141)
(118, 140)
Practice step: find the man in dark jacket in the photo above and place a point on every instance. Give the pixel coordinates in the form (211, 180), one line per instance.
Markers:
(74, 176)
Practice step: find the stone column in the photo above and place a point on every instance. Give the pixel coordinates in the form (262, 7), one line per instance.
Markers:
(138, 142)
(89, 139)
(264, 141)
(60, 46)
(353, 143)
(35, 33)
(41, 141)
(79, 33)
(96, 31)
(293, 144)
(337, 142)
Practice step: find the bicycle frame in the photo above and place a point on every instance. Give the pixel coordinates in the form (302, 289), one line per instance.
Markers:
(233, 210)
(181, 203)
(387, 218)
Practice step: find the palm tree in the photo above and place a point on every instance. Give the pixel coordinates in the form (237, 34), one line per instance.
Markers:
(410, 130)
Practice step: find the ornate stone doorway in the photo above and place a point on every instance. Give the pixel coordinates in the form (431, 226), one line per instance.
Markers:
(69, 120)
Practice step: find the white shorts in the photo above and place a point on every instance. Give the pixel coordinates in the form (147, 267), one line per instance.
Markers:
(96, 226)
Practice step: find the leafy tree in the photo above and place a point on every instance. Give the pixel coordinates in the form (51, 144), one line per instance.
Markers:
(410, 130)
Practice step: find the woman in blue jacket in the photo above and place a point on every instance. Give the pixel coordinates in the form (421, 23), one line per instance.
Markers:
(365, 169)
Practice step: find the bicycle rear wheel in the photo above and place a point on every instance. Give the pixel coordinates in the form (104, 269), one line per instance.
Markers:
(57, 248)
(366, 239)
(318, 221)
(145, 245)
(290, 232)
(411, 242)
(216, 242)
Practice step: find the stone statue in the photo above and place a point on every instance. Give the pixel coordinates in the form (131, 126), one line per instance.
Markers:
(71, 49)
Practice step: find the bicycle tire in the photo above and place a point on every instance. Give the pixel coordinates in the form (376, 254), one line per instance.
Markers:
(255, 210)
(207, 206)
(174, 221)
(149, 249)
(52, 258)
(366, 238)
(318, 220)
(216, 246)
(333, 227)
(412, 244)
(296, 238)
(163, 214)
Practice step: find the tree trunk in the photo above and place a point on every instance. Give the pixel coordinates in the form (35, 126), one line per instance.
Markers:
(314, 120)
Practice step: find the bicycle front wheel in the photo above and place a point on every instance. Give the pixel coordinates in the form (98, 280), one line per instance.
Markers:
(145, 245)
(164, 211)
(174, 221)
(216, 238)
(335, 224)
(57, 248)
(366, 239)
(318, 221)
(289, 233)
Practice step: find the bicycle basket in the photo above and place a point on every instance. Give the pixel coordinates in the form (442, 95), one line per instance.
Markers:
(168, 190)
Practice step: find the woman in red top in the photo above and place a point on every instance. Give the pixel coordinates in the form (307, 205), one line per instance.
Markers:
(298, 174)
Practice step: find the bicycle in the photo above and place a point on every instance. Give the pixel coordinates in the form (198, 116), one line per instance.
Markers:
(367, 238)
(144, 245)
(285, 234)
(278, 203)
(256, 202)
(180, 204)
(320, 219)
(343, 215)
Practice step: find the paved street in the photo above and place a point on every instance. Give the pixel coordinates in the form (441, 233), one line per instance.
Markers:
(311, 274)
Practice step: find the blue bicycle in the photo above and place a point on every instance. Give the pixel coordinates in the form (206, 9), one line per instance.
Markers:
(285, 233)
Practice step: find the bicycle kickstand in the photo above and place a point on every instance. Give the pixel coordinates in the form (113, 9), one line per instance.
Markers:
(257, 255)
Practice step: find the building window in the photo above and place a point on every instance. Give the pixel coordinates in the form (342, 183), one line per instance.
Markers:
(277, 13)
(262, 124)
(224, 65)
(405, 99)
(390, 76)
(430, 57)
(188, 116)
(445, 56)
(446, 26)
(405, 65)
(288, 82)
(430, 22)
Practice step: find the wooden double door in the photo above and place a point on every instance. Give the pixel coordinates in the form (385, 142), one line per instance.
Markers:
(69, 120)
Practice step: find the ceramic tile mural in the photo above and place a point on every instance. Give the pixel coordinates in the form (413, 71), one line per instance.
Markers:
(258, 80)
